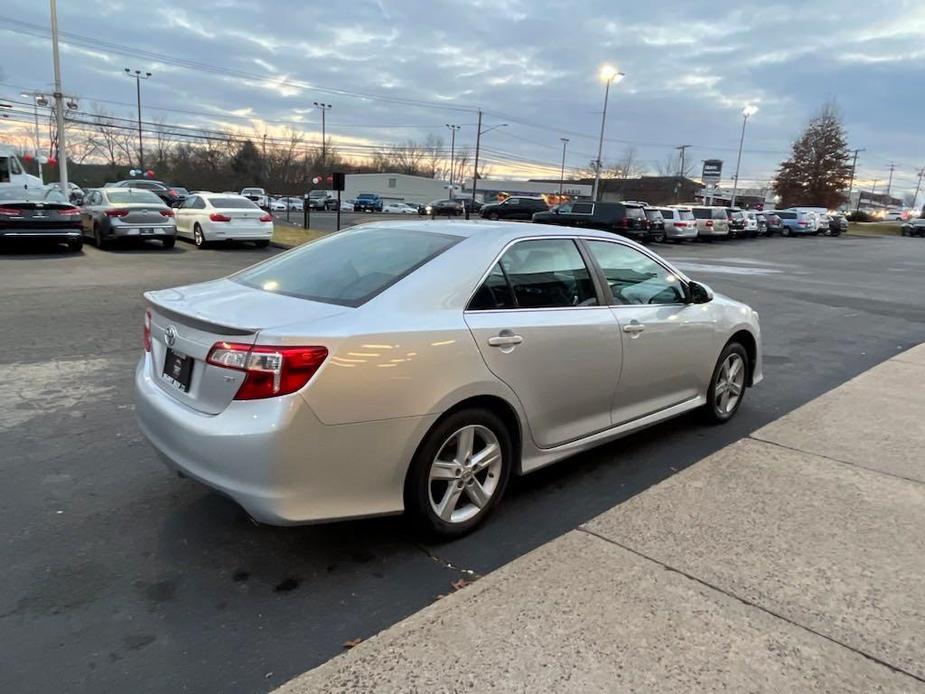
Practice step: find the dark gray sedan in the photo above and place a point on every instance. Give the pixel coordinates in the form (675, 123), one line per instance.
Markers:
(113, 214)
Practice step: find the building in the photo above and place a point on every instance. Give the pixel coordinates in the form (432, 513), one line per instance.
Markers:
(490, 190)
(748, 198)
(395, 187)
(867, 200)
(655, 190)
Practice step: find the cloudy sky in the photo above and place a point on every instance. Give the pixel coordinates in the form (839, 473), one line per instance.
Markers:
(400, 69)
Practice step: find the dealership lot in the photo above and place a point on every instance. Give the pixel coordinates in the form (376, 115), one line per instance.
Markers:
(119, 576)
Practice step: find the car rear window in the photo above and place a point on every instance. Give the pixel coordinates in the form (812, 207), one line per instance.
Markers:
(703, 213)
(787, 215)
(635, 213)
(348, 268)
(233, 204)
(128, 195)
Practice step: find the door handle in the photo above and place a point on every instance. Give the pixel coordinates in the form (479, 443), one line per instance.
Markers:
(505, 340)
(634, 328)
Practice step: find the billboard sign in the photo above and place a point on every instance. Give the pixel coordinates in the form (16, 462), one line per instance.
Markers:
(712, 171)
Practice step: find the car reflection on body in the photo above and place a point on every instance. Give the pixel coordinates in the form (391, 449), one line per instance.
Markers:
(416, 365)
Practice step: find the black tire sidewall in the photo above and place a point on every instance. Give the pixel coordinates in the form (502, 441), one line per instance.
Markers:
(417, 501)
(710, 409)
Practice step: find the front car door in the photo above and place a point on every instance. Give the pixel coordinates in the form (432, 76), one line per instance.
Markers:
(183, 215)
(542, 327)
(668, 343)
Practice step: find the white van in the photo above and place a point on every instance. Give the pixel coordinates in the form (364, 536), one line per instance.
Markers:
(12, 173)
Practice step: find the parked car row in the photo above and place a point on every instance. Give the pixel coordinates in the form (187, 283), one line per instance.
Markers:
(676, 223)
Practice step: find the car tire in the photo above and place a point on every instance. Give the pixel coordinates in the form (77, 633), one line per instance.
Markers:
(263, 243)
(98, 239)
(199, 238)
(169, 243)
(75, 245)
(729, 380)
(467, 494)
(494, 216)
(785, 231)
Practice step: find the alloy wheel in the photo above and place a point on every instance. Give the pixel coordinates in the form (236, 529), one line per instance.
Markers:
(198, 238)
(730, 382)
(465, 474)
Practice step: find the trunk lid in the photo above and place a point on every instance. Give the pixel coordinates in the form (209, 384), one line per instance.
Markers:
(188, 321)
(144, 213)
(38, 215)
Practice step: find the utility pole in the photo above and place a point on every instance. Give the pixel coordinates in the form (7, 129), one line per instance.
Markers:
(139, 75)
(59, 101)
(889, 184)
(565, 142)
(324, 108)
(475, 169)
(453, 128)
(915, 197)
(681, 148)
(854, 166)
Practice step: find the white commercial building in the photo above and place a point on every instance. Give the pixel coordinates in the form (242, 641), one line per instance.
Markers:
(396, 187)
(488, 190)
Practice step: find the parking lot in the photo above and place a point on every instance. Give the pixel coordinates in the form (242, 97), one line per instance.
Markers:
(327, 221)
(119, 576)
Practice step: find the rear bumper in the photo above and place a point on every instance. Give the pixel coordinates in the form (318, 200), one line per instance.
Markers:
(56, 235)
(251, 232)
(711, 233)
(159, 231)
(685, 233)
(276, 459)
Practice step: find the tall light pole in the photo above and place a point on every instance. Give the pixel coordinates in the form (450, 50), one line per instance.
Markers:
(854, 166)
(324, 108)
(749, 110)
(562, 170)
(59, 100)
(915, 196)
(682, 149)
(139, 75)
(453, 128)
(475, 169)
(37, 100)
(609, 74)
(889, 185)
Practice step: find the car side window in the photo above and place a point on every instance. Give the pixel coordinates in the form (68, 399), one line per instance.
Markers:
(200, 204)
(633, 277)
(548, 273)
(494, 294)
(583, 208)
(14, 166)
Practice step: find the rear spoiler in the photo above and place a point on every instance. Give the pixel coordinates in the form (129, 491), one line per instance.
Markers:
(195, 322)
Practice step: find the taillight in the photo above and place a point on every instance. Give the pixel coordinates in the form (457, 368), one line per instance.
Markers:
(117, 212)
(270, 371)
(146, 334)
(267, 218)
(803, 224)
(680, 225)
(219, 217)
(167, 213)
(68, 211)
(10, 212)
(708, 223)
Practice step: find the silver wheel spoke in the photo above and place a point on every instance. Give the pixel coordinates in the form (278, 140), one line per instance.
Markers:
(486, 457)
(448, 503)
(735, 388)
(465, 442)
(721, 387)
(441, 470)
(734, 367)
(724, 402)
(477, 493)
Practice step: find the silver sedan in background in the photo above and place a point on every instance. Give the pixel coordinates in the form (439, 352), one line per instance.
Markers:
(109, 215)
(416, 366)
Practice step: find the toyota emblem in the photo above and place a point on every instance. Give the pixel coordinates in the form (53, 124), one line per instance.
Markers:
(170, 336)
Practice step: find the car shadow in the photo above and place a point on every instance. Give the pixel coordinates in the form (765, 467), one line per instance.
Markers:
(33, 250)
(131, 246)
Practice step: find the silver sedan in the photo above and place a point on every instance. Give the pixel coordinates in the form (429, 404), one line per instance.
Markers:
(416, 366)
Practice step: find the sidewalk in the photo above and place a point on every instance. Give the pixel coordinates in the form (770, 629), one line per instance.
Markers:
(792, 560)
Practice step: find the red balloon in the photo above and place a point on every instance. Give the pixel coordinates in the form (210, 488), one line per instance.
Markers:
(52, 161)
(149, 173)
(27, 157)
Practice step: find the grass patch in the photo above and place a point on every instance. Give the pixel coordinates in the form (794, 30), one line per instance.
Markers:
(294, 236)
(874, 228)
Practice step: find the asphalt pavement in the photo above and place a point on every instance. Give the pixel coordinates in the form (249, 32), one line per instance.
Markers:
(118, 576)
(327, 221)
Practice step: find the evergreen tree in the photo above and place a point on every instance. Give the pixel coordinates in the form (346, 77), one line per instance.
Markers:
(819, 167)
(247, 165)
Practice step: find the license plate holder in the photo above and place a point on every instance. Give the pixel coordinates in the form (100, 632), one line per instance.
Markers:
(178, 369)
(145, 231)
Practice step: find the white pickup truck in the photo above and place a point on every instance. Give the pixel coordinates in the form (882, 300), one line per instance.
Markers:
(258, 196)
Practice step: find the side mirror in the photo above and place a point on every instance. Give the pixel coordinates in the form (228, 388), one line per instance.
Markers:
(699, 293)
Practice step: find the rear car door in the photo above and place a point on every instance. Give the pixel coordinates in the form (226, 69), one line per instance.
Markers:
(542, 328)
(668, 343)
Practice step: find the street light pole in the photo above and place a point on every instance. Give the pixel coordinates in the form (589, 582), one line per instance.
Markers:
(746, 112)
(565, 142)
(453, 128)
(139, 75)
(324, 145)
(915, 196)
(59, 100)
(889, 185)
(36, 97)
(609, 74)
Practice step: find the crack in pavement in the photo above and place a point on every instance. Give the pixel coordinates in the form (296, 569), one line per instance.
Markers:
(749, 603)
(446, 564)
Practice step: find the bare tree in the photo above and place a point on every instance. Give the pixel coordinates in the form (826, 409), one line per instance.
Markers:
(109, 139)
(671, 165)
(436, 164)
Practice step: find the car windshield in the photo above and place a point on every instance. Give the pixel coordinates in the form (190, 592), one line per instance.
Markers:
(252, 191)
(31, 194)
(181, 191)
(230, 203)
(349, 268)
(129, 195)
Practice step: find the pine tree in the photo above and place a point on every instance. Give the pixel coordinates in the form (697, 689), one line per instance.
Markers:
(819, 167)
